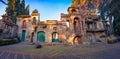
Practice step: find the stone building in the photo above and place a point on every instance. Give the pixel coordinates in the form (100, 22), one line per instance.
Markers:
(81, 25)
(33, 30)
(85, 25)
(7, 27)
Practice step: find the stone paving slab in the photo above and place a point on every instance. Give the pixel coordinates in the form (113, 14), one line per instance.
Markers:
(106, 52)
(3, 55)
(11, 56)
(20, 56)
(110, 54)
(28, 56)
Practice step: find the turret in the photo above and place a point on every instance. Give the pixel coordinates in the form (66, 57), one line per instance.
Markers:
(35, 17)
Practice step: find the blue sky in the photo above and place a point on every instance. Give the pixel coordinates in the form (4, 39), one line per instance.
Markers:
(48, 9)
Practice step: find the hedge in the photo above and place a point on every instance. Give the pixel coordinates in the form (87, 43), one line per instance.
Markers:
(9, 41)
(111, 41)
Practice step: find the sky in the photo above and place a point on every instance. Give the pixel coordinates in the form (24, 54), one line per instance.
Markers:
(48, 9)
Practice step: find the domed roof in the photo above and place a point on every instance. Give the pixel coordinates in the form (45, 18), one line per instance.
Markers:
(35, 11)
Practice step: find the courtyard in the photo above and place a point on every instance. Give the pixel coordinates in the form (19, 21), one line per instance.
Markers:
(26, 50)
(87, 25)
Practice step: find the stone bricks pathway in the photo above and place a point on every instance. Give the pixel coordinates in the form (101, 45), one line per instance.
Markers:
(106, 52)
(13, 55)
(18, 55)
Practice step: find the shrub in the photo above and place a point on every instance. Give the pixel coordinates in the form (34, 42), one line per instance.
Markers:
(38, 46)
(44, 26)
(118, 39)
(8, 41)
(102, 36)
(98, 40)
(111, 41)
(66, 44)
(1, 30)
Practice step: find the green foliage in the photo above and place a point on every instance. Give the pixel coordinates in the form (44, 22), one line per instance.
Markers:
(27, 9)
(22, 7)
(75, 2)
(102, 36)
(9, 41)
(111, 41)
(1, 30)
(44, 26)
(16, 8)
(110, 8)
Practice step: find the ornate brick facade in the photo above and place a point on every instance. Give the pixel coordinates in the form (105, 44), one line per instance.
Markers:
(33, 30)
(85, 25)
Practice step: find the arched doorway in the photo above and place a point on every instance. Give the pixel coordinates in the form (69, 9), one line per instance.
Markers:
(32, 35)
(77, 40)
(23, 35)
(41, 36)
(55, 37)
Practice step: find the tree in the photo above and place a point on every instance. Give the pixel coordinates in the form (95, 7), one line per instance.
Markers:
(110, 10)
(10, 10)
(22, 7)
(1, 31)
(75, 2)
(27, 9)
(16, 8)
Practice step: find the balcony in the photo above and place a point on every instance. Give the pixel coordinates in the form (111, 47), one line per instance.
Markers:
(95, 30)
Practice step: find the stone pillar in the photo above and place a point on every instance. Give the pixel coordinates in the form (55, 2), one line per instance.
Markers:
(84, 34)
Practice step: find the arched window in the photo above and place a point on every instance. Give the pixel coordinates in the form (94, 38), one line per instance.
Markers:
(32, 35)
(34, 21)
(95, 26)
(76, 23)
(24, 24)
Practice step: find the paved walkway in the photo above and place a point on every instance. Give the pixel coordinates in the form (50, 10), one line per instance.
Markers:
(17, 55)
(105, 52)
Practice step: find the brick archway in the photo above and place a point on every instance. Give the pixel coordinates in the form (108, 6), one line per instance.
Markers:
(77, 40)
